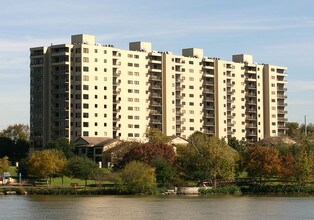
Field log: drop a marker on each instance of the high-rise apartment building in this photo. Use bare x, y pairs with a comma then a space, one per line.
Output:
88, 89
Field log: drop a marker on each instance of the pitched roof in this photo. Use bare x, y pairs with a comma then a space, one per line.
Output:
94, 141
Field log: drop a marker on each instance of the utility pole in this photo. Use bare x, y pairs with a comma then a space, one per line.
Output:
305, 129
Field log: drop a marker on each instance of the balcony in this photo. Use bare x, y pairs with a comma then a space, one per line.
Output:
282, 104
208, 91
208, 99
154, 112
281, 89
281, 119
208, 83
155, 78
281, 96
154, 121
251, 125
209, 124
250, 118
250, 94
155, 95
158, 104
209, 107
209, 115
155, 87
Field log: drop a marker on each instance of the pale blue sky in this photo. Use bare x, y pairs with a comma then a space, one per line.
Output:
274, 31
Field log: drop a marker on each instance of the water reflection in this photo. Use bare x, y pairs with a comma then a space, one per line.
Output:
154, 207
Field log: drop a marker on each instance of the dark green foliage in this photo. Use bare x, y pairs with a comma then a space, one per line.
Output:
15, 150
82, 168
221, 190
278, 189
165, 173
62, 144
72, 191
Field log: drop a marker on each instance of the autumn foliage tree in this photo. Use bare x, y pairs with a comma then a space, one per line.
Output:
262, 162
4, 165
149, 152
46, 163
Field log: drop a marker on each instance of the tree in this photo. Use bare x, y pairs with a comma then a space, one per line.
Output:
46, 163
298, 163
138, 177
4, 165
82, 168
16, 132
304, 167
155, 136
149, 152
16, 151
165, 173
62, 144
262, 161
207, 158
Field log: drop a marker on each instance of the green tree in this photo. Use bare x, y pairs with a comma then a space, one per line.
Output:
16, 132
82, 168
4, 165
303, 167
155, 136
165, 173
62, 144
46, 163
207, 158
137, 177
262, 161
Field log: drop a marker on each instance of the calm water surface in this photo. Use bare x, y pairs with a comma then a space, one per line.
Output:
155, 207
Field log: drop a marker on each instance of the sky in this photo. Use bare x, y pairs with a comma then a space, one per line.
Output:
273, 31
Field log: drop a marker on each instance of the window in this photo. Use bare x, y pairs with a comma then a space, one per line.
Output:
85, 59
136, 82
85, 96
130, 108
136, 117
130, 64
130, 90
190, 62
85, 105
130, 82
85, 68
130, 135
85, 78
136, 91
85, 50
85, 124
191, 87
85, 115
136, 126
136, 56
85, 133
130, 116
136, 65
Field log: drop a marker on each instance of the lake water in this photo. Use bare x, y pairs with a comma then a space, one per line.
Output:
155, 207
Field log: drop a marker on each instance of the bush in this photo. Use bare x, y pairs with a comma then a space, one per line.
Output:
277, 189
137, 177
221, 190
